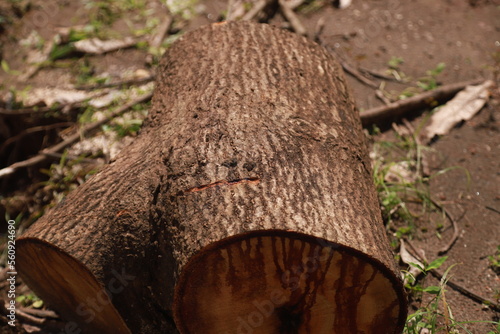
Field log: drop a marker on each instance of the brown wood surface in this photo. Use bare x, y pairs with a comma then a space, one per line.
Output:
246, 205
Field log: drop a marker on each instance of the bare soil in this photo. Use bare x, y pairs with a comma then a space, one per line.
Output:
464, 35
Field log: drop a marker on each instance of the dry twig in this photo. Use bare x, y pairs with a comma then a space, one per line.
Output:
33, 130
156, 40
381, 115
20, 314
123, 83
382, 97
378, 74
230, 5
356, 74
163, 29
318, 30
44, 154
255, 10
39, 313
38, 110
454, 224
291, 17
29, 318
55, 99
457, 287
492, 209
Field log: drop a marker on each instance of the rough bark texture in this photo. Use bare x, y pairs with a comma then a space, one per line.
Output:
252, 164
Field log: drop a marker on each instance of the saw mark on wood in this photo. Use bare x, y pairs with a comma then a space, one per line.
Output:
252, 180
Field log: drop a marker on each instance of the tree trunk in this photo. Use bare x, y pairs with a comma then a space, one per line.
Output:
246, 205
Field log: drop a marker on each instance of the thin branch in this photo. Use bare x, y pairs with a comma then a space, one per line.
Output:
492, 209
235, 10
378, 74
457, 287
383, 114
318, 30
353, 71
123, 83
357, 74
39, 313
44, 154
230, 6
33, 130
256, 9
63, 106
292, 4
20, 314
346, 66
380, 95
291, 17
34, 67
162, 31
59, 156
454, 223
29, 318
37, 110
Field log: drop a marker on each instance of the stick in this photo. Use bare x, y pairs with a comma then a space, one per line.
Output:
64, 107
58, 156
466, 292
230, 5
291, 17
292, 4
21, 315
44, 154
38, 110
39, 313
378, 74
355, 73
318, 30
33, 130
454, 223
29, 318
255, 10
381, 115
492, 209
127, 83
347, 68
235, 10
156, 40
381, 96
33, 68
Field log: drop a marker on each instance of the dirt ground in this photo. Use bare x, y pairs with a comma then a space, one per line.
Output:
464, 35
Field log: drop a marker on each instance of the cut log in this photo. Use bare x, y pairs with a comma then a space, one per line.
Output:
246, 205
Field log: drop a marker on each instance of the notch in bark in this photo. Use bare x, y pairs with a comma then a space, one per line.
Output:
246, 205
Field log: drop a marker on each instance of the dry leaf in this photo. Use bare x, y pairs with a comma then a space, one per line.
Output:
407, 258
461, 108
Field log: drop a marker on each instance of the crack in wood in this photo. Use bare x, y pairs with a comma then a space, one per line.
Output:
253, 180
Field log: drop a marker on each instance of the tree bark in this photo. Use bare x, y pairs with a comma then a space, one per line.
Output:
246, 205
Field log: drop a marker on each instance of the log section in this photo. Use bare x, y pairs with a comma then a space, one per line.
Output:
246, 205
